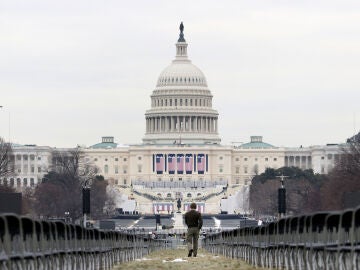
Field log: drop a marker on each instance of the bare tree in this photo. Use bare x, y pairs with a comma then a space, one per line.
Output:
61, 189
342, 189
6, 159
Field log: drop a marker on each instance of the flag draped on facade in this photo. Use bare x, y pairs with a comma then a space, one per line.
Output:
200, 163
171, 163
180, 163
160, 163
188, 163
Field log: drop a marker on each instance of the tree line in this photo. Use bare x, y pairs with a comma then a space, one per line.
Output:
60, 190
307, 192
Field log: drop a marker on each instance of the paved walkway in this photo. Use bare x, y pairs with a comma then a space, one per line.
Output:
176, 259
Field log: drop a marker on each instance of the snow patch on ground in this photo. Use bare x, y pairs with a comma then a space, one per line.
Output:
176, 260
143, 259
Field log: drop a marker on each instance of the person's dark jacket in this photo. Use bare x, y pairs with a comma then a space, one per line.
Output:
193, 219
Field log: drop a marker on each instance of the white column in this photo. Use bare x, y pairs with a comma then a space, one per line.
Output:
195, 124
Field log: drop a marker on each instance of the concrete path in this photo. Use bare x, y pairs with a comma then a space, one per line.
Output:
176, 259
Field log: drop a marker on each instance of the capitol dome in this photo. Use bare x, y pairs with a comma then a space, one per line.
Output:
181, 104
181, 72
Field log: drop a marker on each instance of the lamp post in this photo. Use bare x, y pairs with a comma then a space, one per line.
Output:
282, 197
86, 200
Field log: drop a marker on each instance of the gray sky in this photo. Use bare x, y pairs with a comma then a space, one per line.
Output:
73, 71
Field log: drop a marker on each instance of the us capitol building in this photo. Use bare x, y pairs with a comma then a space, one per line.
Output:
181, 156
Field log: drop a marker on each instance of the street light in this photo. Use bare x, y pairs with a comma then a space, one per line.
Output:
86, 199
282, 197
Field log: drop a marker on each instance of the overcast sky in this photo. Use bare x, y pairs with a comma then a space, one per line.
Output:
73, 71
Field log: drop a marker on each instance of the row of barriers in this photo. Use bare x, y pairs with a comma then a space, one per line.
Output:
35, 244
324, 240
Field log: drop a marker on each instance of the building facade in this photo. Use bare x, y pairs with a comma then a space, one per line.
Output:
181, 156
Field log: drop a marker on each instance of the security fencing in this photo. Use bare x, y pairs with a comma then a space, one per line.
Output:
324, 240
36, 244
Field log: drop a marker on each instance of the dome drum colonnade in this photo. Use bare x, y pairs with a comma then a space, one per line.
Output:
181, 104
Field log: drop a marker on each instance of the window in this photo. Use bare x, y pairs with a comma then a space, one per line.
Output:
237, 159
32, 183
106, 159
188, 195
245, 169
95, 159
39, 158
32, 169
221, 158
237, 181
18, 157
32, 157
19, 170
12, 182
237, 169
106, 169
25, 182
256, 159
139, 158
139, 168
329, 156
116, 169
39, 169
246, 159
168, 195
275, 159
220, 169
266, 159
116, 159
125, 170
322, 158
190, 102
25, 157
186, 102
18, 182
125, 181
116, 182
125, 159
170, 102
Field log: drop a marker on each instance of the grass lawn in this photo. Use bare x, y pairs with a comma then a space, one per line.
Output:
177, 259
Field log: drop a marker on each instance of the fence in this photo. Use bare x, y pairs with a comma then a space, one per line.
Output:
33, 244
327, 240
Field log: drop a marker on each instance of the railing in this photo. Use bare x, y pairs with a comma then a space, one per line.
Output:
327, 240
35, 244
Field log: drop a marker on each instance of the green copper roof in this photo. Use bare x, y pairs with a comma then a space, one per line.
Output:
104, 145
256, 145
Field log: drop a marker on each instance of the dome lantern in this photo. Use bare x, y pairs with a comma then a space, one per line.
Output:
181, 45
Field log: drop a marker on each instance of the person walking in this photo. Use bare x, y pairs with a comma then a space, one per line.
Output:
194, 222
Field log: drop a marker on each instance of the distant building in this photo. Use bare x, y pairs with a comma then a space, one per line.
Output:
181, 155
